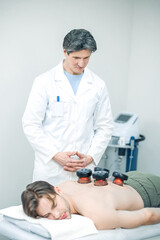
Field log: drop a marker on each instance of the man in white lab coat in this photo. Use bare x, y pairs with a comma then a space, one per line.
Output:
68, 119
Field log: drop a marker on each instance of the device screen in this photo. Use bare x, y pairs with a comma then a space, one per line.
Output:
122, 118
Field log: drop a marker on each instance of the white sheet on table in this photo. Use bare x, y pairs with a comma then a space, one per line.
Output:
144, 232
12, 231
28, 227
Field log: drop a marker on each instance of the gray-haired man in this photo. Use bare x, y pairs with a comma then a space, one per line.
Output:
68, 118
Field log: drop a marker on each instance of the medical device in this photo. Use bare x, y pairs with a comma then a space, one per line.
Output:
100, 175
84, 175
126, 126
119, 178
122, 152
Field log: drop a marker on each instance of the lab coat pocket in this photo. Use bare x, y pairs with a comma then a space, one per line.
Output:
58, 109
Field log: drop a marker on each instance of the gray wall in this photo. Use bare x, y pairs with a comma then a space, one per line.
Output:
128, 57
144, 80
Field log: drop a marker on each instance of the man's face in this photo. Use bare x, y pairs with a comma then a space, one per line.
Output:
58, 209
76, 62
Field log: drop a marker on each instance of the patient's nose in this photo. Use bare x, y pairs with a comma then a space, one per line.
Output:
51, 217
56, 214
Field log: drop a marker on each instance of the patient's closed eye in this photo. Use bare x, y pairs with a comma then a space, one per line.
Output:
54, 204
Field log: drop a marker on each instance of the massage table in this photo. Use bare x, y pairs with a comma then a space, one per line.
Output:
15, 225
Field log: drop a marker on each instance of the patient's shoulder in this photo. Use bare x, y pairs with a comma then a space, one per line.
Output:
67, 184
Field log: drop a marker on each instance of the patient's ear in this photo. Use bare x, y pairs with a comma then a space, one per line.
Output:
57, 190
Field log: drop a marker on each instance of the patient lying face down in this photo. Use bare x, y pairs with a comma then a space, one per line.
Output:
135, 203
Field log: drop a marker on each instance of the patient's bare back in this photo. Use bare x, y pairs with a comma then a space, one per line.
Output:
112, 196
100, 202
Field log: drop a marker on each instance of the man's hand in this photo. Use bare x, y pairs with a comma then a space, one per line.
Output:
76, 164
63, 157
67, 161
71, 163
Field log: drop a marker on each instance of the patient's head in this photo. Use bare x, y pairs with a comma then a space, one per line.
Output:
33, 193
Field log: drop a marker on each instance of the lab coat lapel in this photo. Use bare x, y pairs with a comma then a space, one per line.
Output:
85, 84
62, 81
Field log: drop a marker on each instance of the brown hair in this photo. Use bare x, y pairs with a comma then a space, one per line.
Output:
34, 191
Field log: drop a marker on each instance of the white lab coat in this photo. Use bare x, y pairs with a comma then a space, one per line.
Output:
80, 123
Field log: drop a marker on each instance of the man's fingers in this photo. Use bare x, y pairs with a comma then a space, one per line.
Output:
80, 155
71, 160
69, 169
71, 153
75, 164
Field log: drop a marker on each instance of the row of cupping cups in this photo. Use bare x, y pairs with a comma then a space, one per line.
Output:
100, 176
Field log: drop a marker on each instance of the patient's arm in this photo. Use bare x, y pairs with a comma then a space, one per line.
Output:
145, 216
127, 219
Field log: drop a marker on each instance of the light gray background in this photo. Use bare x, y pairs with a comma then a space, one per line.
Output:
128, 59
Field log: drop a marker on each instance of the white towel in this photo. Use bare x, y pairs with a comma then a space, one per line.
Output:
67, 229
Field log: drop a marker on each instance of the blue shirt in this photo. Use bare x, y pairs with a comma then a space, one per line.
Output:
74, 80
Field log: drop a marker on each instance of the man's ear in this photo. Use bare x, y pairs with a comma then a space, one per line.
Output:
57, 190
65, 52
